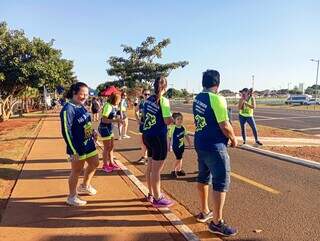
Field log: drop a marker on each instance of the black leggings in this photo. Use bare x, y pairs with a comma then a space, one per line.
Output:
156, 146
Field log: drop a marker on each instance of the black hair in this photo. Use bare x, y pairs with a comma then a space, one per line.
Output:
210, 78
74, 89
175, 115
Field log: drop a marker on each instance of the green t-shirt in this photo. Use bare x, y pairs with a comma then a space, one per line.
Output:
246, 111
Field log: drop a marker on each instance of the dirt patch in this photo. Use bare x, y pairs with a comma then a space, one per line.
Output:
305, 152
14, 136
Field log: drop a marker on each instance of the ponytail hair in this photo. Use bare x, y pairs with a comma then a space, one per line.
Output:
74, 89
159, 84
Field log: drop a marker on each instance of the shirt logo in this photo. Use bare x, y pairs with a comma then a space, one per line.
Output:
150, 121
200, 122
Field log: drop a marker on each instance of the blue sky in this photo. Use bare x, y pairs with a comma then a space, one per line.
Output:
273, 40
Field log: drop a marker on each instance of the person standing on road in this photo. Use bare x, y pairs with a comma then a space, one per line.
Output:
176, 134
80, 138
213, 130
108, 117
246, 106
95, 108
123, 127
157, 116
140, 119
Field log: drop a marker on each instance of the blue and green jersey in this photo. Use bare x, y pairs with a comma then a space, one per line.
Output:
209, 110
154, 115
177, 135
109, 112
77, 130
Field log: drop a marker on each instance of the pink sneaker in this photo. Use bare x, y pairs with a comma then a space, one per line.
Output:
115, 167
107, 168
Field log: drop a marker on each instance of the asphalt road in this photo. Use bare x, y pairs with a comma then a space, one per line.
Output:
299, 120
282, 199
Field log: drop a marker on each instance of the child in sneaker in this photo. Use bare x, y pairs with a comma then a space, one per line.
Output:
177, 133
105, 129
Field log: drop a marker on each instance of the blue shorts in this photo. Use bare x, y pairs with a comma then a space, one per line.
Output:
214, 167
105, 132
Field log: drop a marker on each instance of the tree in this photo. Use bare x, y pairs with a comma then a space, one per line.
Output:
226, 92
25, 63
295, 91
311, 90
140, 65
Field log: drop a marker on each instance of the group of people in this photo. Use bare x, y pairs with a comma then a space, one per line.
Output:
162, 132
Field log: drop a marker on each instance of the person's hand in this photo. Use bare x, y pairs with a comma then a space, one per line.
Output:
234, 142
74, 157
170, 149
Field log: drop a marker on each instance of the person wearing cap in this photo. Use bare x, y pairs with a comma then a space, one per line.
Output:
213, 131
246, 106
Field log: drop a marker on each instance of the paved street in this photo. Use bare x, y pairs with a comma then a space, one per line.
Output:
280, 198
304, 121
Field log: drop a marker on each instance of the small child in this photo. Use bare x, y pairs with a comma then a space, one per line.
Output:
177, 133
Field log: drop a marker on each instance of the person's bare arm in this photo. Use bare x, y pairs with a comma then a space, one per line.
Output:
228, 131
241, 104
137, 112
108, 121
253, 106
188, 140
168, 120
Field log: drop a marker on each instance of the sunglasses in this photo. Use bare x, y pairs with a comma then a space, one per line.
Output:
146, 94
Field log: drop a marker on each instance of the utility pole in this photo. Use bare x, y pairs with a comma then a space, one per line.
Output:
253, 81
317, 75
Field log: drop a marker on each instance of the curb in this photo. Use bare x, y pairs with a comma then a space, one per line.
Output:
173, 219
300, 161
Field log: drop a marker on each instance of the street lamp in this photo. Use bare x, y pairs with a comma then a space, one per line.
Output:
317, 74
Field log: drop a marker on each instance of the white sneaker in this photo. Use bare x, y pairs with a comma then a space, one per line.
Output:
76, 201
126, 137
86, 190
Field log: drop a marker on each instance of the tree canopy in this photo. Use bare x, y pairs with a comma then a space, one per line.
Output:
30, 63
139, 66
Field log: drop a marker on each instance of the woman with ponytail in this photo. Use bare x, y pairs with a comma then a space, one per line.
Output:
80, 138
157, 116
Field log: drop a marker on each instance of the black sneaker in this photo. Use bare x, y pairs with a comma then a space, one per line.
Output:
244, 143
203, 217
259, 143
181, 173
222, 229
174, 174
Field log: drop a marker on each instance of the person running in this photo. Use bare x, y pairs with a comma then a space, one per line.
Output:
246, 106
213, 130
140, 119
176, 134
105, 129
95, 108
79, 135
157, 116
123, 127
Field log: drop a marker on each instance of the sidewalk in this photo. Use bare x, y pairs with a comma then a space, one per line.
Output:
37, 210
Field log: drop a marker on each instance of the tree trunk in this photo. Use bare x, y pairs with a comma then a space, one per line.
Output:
6, 108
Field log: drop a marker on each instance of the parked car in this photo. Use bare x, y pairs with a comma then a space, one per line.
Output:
313, 101
298, 100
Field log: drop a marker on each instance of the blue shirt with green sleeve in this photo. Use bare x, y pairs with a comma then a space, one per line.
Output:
209, 109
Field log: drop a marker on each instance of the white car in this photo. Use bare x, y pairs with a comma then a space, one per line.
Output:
313, 102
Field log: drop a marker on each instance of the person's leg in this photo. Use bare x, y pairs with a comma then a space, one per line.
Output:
219, 165
106, 152
203, 181
253, 126
148, 175
143, 151
76, 168
242, 121
156, 168
111, 156
125, 126
93, 163
203, 191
